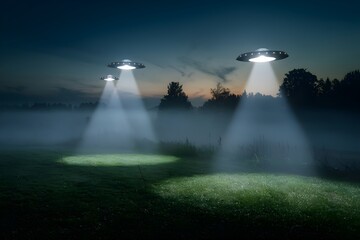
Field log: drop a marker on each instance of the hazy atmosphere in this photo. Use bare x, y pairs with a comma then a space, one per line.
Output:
179, 120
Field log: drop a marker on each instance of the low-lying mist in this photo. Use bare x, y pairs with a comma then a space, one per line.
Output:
331, 135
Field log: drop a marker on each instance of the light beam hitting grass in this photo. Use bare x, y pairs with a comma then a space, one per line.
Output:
292, 200
117, 159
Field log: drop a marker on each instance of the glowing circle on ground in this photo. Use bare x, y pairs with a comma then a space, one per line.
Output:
103, 160
262, 59
126, 64
262, 55
250, 193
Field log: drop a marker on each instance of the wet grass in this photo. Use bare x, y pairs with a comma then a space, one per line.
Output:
117, 159
269, 200
56, 195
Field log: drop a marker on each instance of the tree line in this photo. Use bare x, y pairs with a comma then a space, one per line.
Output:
41, 106
300, 87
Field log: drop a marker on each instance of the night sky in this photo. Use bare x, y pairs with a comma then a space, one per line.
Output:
57, 50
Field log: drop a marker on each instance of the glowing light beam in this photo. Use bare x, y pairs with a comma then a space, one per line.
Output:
264, 130
108, 127
138, 116
262, 80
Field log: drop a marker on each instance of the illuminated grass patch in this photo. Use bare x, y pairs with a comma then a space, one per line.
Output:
258, 197
110, 202
118, 159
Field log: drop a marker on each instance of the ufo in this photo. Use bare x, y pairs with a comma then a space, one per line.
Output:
109, 78
126, 64
262, 55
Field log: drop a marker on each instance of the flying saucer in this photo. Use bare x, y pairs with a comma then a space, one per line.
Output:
262, 55
126, 64
109, 78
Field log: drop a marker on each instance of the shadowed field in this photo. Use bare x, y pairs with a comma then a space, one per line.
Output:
57, 195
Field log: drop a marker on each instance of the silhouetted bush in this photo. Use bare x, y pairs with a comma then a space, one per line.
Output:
222, 99
175, 99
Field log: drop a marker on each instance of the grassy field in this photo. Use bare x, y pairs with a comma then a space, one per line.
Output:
58, 195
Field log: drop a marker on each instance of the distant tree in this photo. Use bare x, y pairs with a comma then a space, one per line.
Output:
321, 88
88, 105
60, 106
219, 92
324, 90
335, 96
327, 88
221, 98
175, 98
40, 106
336, 85
349, 89
300, 87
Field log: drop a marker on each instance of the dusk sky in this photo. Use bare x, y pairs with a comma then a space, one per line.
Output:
58, 50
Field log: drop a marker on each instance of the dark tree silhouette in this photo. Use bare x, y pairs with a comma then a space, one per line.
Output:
220, 92
327, 89
323, 87
175, 98
325, 92
88, 105
221, 98
349, 89
300, 87
340, 94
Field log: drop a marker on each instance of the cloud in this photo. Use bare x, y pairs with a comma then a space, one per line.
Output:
182, 72
155, 63
220, 72
223, 72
